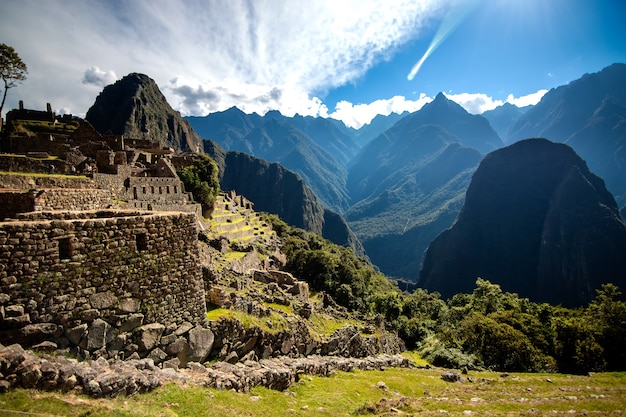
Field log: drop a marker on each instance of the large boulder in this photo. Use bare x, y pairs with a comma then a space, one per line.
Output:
200, 344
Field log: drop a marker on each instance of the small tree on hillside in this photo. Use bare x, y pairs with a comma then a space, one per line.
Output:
12, 70
201, 179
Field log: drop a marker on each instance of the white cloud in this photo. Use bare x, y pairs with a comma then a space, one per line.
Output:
251, 98
474, 103
527, 100
478, 103
95, 76
357, 115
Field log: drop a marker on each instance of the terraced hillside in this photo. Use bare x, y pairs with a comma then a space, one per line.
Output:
235, 219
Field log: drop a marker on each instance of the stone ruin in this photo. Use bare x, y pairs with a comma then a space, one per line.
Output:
80, 275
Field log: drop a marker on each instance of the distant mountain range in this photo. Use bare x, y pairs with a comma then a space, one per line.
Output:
406, 181
503, 117
317, 149
402, 180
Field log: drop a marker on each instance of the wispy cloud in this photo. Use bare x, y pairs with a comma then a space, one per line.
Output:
257, 52
98, 77
209, 56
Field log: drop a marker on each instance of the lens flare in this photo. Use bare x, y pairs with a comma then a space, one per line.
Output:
450, 22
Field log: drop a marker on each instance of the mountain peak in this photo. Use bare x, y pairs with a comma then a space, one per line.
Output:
471, 130
135, 107
536, 221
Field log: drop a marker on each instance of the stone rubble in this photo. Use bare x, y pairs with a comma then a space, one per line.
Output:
103, 378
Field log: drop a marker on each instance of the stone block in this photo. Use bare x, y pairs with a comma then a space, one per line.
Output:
96, 335
129, 305
200, 344
102, 300
76, 334
132, 322
149, 335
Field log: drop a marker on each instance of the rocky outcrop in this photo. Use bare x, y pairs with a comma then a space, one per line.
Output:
234, 342
537, 222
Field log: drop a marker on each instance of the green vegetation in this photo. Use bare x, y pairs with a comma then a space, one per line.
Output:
488, 329
410, 391
12, 70
201, 179
273, 323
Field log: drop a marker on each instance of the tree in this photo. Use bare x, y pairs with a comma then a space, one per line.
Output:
201, 179
12, 69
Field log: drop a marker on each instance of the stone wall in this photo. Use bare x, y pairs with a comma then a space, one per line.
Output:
67, 199
148, 193
106, 283
15, 201
72, 199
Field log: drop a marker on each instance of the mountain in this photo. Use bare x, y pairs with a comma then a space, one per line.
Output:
408, 141
330, 134
535, 221
276, 138
422, 198
377, 126
588, 114
503, 117
274, 189
135, 107
409, 183
471, 130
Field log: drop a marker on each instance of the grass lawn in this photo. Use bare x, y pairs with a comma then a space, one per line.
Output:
389, 392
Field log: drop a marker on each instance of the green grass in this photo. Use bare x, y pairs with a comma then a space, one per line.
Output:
325, 325
411, 391
274, 323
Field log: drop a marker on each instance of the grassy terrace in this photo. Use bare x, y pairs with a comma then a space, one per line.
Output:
390, 392
239, 225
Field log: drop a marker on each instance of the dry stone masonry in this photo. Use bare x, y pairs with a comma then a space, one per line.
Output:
107, 283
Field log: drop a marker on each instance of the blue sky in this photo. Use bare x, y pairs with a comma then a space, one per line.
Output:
347, 59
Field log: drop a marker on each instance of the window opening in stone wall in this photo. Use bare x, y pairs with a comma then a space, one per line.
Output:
175, 190
144, 190
160, 190
167, 189
65, 248
152, 189
142, 241
135, 193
